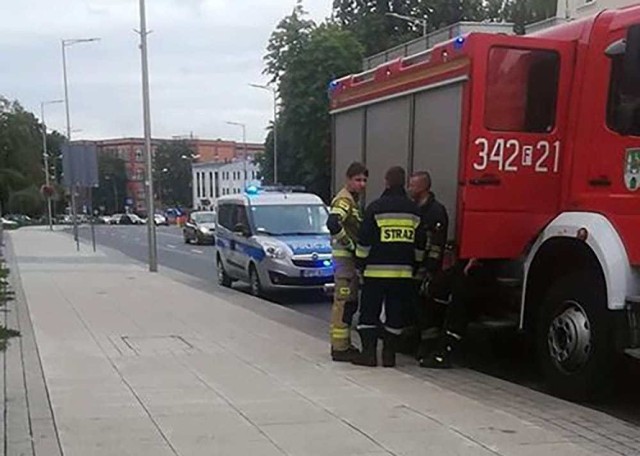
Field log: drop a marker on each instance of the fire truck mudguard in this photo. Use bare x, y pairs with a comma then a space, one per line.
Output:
598, 235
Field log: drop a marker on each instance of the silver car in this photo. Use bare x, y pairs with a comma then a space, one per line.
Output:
274, 241
200, 227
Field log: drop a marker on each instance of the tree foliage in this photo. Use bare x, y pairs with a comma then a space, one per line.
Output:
172, 173
302, 59
112, 184
377, 31
21, 158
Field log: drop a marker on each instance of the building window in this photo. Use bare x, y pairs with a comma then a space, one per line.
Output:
139, 155
198, 185
210, 184
522, 90
139, 174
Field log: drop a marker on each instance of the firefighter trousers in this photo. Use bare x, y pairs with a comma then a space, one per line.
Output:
345, 302
395, 294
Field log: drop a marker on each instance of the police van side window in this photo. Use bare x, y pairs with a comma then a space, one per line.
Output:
225, 216
521, 90
623, 110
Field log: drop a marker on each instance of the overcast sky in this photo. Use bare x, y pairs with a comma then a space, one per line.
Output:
202, 55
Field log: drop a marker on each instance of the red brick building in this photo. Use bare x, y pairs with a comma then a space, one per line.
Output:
131, 150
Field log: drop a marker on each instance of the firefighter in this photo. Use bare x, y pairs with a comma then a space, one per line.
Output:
429, 311
345, 217
391, 243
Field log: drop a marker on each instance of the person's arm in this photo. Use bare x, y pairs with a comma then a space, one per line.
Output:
335, 223
366, 237
438, 241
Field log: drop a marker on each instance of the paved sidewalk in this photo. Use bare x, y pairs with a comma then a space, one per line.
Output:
142, 364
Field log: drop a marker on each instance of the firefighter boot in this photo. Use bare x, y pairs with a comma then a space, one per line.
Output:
368, 356
344, 356
441, 358
389, 348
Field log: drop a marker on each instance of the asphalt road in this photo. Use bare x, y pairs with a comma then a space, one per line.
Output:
501, 354
194, 260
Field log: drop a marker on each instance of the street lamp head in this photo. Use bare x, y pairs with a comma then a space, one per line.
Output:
238, 124
72, 41
44, 103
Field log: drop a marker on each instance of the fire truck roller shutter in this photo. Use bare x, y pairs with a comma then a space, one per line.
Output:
436, 142
387, 141
348, 144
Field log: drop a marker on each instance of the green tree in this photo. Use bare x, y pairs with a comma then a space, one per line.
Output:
21, 164
303, 72
172, 173
112, 184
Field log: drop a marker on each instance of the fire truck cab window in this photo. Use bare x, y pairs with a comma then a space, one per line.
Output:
521, 90
623, 110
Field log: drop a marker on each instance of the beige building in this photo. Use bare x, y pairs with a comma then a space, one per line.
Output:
574, 9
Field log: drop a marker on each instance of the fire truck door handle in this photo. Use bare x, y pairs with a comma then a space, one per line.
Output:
485, 181
601, 181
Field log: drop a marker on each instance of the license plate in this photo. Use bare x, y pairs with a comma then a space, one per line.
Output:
320, 272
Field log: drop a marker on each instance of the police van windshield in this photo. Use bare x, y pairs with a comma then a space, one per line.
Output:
290, 220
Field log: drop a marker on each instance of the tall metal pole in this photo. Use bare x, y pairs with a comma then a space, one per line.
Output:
275, 137
274, 91
151, 227
70, 170
45, 155
244, 165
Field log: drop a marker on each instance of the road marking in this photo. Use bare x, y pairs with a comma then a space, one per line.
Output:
171, 246
197, 251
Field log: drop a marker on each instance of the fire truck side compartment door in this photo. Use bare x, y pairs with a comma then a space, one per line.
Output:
513, 159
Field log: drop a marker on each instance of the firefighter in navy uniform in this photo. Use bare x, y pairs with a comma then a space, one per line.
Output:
391, 244
430, 310
343, 223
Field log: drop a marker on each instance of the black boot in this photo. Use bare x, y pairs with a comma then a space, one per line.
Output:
441, 358
389, 348
368, 356
344, 356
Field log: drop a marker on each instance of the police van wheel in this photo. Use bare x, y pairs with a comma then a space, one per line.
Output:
223, 278
254, 282
574, 338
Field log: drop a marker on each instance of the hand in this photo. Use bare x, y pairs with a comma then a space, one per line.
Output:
473, 263
424, 286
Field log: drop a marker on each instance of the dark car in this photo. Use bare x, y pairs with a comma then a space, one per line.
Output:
200, 227
126, 219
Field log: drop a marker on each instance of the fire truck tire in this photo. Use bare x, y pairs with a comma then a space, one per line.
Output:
574, 338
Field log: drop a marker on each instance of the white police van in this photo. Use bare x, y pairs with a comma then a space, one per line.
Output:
274, 239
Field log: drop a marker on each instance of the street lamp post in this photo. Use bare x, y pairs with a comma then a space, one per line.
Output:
146, 110
45, 154
65, 44
244, 147
415, 20
275, 127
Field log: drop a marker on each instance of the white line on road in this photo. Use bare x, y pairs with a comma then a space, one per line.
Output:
171, 246
197, 251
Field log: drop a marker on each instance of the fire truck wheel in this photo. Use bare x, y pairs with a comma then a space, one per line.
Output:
574, 338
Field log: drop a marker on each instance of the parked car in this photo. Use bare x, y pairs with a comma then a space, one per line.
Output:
160, 219
20, 219
200, 227
126, 219
9, 224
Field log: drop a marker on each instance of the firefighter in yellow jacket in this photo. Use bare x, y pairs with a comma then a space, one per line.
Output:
344, 221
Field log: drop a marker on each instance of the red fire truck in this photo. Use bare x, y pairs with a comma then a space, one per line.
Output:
533, 143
